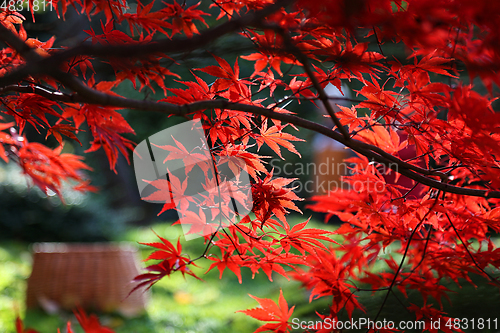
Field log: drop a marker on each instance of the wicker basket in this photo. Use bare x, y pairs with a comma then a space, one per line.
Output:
94, 276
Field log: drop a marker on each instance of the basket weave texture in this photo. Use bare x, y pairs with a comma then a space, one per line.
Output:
94, 276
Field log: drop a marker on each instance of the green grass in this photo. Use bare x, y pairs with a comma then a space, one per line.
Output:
15, 267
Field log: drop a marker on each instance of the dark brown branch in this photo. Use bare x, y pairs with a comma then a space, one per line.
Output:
27, 89
48, 64
321, 92
22, 48
307, 67
87, 95
84, 94
17, 44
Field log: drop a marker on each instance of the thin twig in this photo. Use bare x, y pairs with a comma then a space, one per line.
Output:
307, 68
470, 254
393, 282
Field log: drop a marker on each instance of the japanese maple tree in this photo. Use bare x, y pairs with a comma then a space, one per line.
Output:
440, 227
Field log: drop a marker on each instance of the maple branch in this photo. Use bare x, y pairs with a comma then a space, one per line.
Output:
406, 194
84, 94
28, 53
49, 64
307, 68
91, 96
17, 44
423, 255
380, 46
209, 243
41, 91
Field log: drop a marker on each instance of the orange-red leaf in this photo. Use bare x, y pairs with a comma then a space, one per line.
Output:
270, 311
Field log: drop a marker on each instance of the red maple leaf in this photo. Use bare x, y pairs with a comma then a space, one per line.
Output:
271, 196
20, 327
270, 311
171, 260
268, 42
275, 137
304, 239
90, 324
356, 60
182, 18
146, 19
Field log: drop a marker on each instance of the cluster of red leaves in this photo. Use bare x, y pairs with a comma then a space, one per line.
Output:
171, 260
47, 168
418, 104
89, 324
261, 243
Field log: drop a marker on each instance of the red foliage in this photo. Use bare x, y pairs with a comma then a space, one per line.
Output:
413, 116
